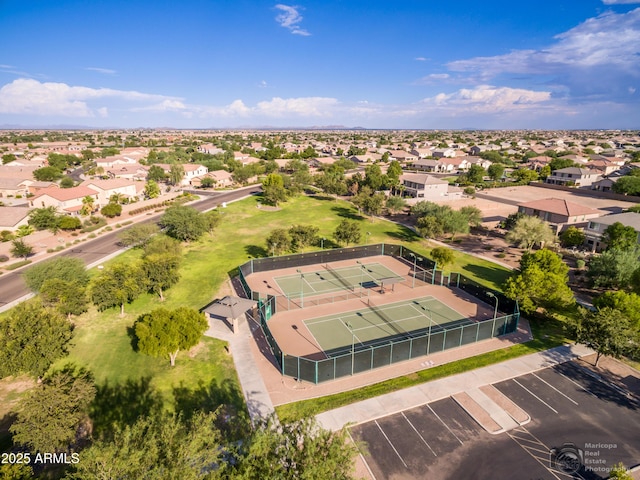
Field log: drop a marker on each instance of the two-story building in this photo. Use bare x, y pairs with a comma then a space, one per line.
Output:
596, 228
559, 213
423, 186
573, 177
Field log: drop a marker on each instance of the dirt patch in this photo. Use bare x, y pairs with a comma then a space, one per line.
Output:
11, 391
196, 350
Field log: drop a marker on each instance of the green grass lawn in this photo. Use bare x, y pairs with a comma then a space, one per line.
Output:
102, 342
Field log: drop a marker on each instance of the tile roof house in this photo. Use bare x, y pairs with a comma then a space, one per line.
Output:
559, 213
11, 218
573, 176
596, 228
132, 171
114, 186
431, 165
221, 179
64, 199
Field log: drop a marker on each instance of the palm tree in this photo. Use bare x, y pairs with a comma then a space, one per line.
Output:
88, 205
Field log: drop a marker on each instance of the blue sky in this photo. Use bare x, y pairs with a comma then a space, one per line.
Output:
544, 64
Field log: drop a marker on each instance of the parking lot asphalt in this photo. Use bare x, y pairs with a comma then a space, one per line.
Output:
581, 425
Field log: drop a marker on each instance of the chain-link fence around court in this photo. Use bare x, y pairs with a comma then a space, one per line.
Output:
390, 350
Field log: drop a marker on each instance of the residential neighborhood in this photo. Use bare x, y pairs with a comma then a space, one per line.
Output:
486, 204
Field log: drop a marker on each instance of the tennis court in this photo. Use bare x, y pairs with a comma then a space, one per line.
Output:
364, 328
329, 280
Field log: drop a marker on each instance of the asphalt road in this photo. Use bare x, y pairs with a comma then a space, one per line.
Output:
12, 286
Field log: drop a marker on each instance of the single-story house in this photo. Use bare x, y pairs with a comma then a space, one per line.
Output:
64, 199
11, 218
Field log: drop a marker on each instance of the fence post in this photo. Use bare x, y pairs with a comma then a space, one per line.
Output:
458, 281
316, 364
252, 266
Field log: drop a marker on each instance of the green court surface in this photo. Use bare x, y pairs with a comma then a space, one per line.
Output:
362, 328
334, 280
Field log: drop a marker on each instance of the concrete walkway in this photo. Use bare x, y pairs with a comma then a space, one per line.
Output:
253, 387
408, 398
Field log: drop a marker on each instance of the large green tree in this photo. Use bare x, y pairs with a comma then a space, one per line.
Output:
273, 191
443, 256
347, 232
297, 450
161, 271
156, 448
540, 282
176, 174
61, 268
572, 237
20, 248
138, 235
45, 218
163, 333
606, 330
303, 236
32, 337
183, 223
279, 241
68, 297
50, 416
530, 231
627, 303
619, 236
117, 285
615, 268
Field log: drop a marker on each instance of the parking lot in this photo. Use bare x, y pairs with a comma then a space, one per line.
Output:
591, 423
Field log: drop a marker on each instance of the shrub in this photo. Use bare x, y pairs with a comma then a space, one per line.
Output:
580, 264
6, 236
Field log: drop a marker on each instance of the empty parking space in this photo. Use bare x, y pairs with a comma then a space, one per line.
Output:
570, 407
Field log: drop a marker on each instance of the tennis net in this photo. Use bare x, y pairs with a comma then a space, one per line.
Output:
339, 278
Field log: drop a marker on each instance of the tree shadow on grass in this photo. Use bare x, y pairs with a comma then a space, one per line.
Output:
345, 212
122, 404
496, 275
403, 234
224, 397
255, 251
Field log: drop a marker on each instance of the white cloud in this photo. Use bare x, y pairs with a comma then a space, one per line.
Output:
103, 112
490, 99
421, 59
106, 71
609, 39
620, 2
290, 18
28, 96
304, 106
263, 84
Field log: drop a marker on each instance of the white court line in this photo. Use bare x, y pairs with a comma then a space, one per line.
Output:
394, 448
310, 286
447, 426
421, 437
565, 396
537, 397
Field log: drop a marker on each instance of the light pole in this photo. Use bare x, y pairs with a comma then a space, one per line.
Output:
495, 311
415, 263
361, 275
368, 235
322, 243
273, 249
353, 344
301, 288
430, 322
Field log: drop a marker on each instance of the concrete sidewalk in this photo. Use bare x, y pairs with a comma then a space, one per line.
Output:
255, 392
412, 397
